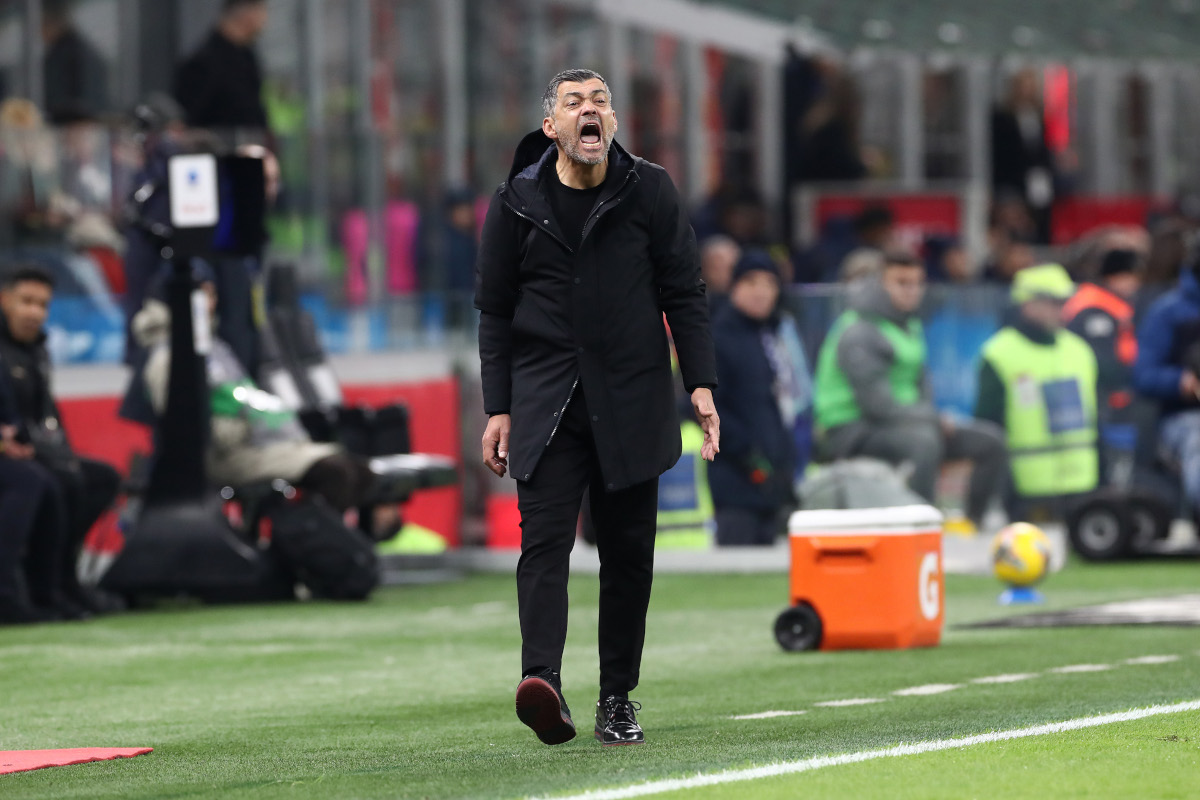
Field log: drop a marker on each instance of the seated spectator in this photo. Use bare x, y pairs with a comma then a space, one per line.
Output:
1168, 370
947, 261
1164, 262
254, 436
873, 396
83, 488
762, 393
865, 262
1102, 313
719, 255
32, 210
1009, 255
1038, 381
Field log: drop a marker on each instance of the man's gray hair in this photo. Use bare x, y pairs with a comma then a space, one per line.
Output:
550, 96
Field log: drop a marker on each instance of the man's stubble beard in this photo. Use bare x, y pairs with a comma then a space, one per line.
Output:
570, 145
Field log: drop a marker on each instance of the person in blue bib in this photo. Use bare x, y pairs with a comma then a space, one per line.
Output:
1038, 380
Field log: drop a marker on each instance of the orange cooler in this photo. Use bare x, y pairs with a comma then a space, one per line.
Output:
864, 579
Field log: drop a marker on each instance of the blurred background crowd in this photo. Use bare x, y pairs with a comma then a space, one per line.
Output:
982, 142
852, 154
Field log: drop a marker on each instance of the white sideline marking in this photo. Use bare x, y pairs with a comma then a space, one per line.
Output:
1133, 662
769, 714
929, 688
808, 764
853, 701
1073, 668
1010, 678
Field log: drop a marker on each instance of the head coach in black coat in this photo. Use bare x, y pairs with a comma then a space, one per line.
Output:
585, 247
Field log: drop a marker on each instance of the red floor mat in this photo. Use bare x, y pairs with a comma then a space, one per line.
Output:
25, 760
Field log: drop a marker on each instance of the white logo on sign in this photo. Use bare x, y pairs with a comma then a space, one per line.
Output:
927, 586
192, 184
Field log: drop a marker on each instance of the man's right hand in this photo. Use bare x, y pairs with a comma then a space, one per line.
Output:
10, 447
495, 443
1189, 385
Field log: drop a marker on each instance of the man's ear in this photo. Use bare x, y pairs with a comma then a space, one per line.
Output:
548, 129
614, 119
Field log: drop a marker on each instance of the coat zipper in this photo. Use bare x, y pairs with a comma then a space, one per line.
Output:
535, 224
591, 220
606, 206
562, 412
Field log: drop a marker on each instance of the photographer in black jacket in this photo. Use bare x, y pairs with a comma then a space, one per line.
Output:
84, 488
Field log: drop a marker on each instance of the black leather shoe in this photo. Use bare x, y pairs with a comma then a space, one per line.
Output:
616, 722
541, 706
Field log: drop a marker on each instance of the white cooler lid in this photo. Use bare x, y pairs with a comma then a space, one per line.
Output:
897, 520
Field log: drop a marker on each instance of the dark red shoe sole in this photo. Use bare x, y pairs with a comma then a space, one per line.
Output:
539, 708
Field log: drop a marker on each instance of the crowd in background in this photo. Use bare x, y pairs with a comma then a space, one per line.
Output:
79, 209
67, 174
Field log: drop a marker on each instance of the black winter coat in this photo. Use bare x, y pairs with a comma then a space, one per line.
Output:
28, 367
554, 321
753, 435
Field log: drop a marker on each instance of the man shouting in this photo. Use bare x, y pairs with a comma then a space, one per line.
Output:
585, 247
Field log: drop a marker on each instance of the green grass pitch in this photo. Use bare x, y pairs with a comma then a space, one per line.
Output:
410, 696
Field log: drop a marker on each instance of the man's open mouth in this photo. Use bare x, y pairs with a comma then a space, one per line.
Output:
590, 133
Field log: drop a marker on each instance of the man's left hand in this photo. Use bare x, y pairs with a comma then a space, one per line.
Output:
710, 423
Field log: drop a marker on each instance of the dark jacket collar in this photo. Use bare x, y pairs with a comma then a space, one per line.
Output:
1031, 330
537, 151
7, 337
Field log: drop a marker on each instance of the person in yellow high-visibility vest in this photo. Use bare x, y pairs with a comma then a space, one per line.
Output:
1038, 380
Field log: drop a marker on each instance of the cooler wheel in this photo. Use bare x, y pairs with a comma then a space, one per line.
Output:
798, 628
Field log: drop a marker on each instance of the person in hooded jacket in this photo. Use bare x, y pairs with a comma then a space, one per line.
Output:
873, 396
761, 396
584, 248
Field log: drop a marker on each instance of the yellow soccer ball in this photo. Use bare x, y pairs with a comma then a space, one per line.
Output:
1020, 554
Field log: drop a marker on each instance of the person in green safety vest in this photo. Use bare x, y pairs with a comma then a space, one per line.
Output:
1038, 380
873, 396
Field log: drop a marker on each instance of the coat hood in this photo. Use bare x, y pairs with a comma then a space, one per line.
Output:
537, 150
867, 296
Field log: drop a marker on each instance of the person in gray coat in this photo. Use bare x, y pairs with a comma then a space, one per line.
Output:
873, 396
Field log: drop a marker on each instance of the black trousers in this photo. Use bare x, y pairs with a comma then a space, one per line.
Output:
625, 523
79, 496
24, 488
